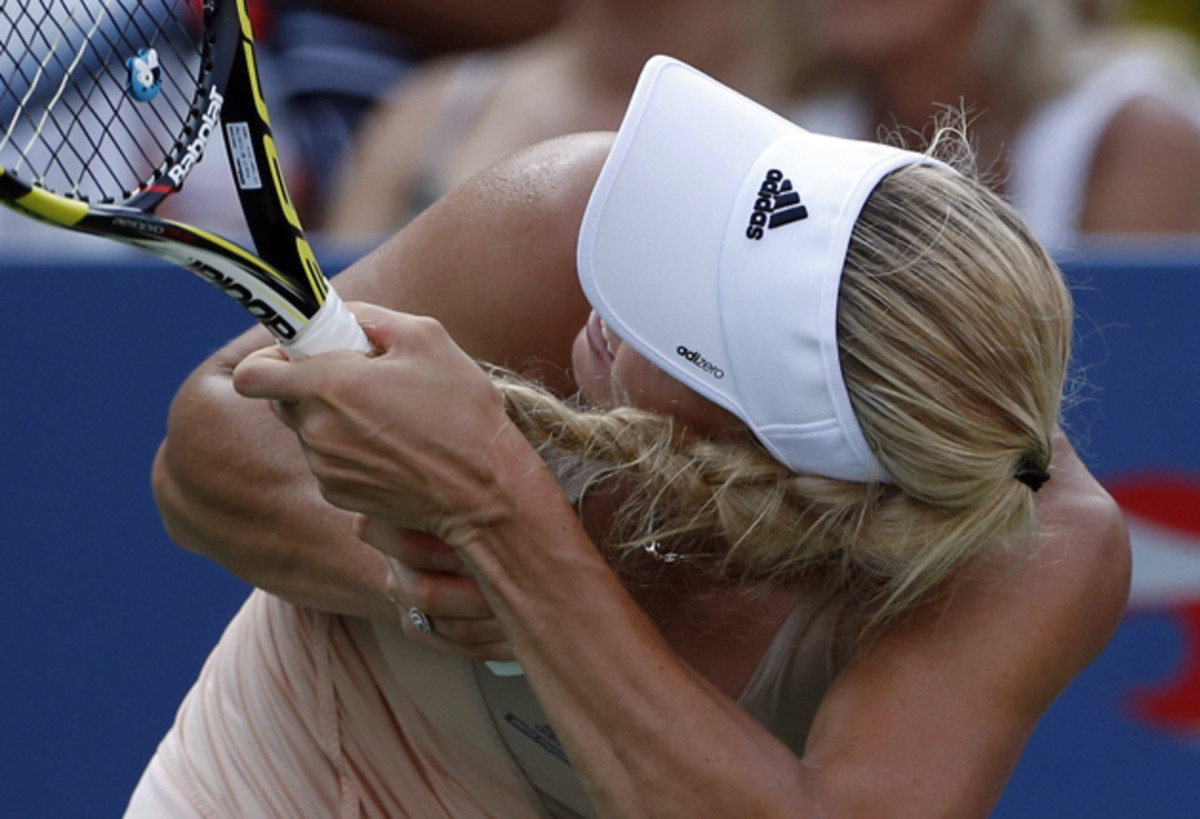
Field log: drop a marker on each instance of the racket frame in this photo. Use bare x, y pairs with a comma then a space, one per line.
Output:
301, 310
282, 286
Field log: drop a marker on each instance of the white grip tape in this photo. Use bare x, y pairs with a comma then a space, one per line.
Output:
334, 327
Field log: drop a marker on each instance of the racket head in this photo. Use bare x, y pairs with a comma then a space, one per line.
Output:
111, 102
106, 106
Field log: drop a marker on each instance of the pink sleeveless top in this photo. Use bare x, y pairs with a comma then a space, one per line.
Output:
299, 713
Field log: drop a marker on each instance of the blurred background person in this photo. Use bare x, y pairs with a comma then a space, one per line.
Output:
336, 60
462, 114
1086, 125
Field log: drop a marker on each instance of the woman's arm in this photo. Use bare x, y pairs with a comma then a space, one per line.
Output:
932, 719
229, 478
928, 721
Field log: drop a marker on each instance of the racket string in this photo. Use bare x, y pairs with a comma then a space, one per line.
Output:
65, 70
52, 53
69, 120
178, 97
23, 49
74, 126
114, 120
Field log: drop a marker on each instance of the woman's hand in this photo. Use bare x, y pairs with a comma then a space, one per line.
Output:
415, 436
427, 573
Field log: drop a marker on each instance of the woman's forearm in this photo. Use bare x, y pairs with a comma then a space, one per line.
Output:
648, 735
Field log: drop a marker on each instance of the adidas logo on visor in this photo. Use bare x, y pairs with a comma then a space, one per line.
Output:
777, 205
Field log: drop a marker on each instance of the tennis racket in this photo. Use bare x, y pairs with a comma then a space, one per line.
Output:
106, 106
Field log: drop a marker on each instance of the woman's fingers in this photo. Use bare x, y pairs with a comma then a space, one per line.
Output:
428, 605
383, 327
439, 604
268, 373
439, 594
417, 550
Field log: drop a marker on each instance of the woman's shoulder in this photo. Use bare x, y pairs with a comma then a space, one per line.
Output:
536, 196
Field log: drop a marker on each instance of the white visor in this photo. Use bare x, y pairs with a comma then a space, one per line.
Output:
714, 243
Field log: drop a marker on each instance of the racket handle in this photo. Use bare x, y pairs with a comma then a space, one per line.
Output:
334, 327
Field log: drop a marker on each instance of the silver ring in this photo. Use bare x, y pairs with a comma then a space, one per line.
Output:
420, 620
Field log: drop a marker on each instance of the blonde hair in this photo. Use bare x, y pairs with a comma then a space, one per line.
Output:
954, 328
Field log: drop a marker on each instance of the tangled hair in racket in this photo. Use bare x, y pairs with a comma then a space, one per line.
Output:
105, 108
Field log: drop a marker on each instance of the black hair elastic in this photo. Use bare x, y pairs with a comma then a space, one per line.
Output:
1031, 476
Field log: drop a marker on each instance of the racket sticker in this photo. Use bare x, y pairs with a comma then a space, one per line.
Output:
241, 150
144, 79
